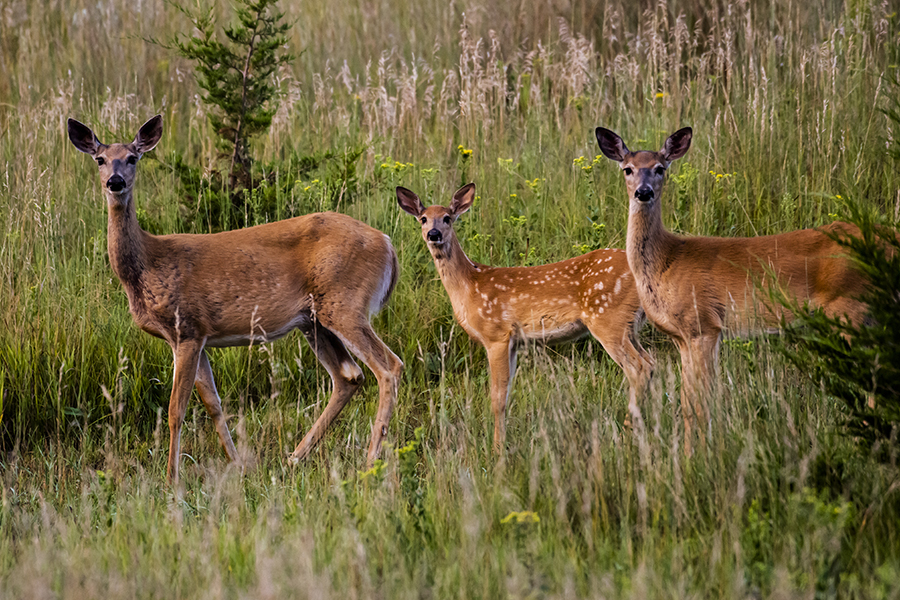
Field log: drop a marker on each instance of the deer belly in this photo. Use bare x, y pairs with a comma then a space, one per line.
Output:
258, 334
551, 333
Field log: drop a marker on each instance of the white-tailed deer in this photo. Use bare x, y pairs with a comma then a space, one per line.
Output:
696, 288
324, 274
503, 307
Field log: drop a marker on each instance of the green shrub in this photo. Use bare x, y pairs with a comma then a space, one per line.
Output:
859, 364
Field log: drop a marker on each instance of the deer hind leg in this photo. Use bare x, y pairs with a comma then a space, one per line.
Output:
856, 313
206, 386
187, 358
847, 308
626, 350
502, 364
346, 378
362, 340
624, 347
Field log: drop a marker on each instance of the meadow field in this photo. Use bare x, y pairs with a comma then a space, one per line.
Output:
785, 98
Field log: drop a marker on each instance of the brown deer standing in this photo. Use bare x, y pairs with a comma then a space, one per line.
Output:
696, 288
504, 307
324, 274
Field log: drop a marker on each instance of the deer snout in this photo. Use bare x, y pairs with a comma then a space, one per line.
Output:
115, 184
434, 236
644, 193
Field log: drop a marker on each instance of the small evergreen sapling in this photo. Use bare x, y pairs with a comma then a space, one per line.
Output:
237, 75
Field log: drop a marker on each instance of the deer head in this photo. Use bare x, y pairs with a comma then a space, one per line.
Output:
645, 171
117, 162
437, 221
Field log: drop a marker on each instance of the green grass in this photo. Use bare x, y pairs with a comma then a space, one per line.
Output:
783, 99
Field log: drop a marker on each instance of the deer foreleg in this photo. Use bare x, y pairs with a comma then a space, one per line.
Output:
699, 364
187, 358
206, 386
502, 364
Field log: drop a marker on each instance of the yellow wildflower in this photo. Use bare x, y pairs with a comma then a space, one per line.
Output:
375, 471
526, 516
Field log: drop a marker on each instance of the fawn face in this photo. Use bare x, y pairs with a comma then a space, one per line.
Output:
117, 162
644, 171
437, 221
437, 224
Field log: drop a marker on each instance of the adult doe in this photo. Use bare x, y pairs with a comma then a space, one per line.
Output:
504, 307
324, 274
697, 288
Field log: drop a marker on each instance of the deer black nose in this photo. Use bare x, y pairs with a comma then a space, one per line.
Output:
644, 193
116, 183
434, 236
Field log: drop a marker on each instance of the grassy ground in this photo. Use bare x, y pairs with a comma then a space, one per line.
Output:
784, 100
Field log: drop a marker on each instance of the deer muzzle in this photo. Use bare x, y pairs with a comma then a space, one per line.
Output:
115, 184
644, 193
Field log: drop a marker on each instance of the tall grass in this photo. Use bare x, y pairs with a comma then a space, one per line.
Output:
783, 99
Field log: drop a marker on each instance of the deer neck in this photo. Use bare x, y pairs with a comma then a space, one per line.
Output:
648, 243
454, 268
126, 243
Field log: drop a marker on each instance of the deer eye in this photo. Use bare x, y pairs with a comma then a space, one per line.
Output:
131, 159
424, 220
627, 170
446, 220
660, 170
100, 161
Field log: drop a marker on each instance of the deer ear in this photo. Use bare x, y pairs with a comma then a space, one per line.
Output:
677, 144
409, 202
611, 145
83, 138
462, 199
149, 134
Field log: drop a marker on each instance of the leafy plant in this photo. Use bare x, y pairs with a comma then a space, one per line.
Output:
300, 184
